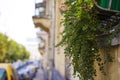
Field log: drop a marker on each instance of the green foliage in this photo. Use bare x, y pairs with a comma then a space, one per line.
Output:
82, 38
16, 51
11, 51
3, 46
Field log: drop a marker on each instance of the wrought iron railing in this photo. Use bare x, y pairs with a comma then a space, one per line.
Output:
40, 9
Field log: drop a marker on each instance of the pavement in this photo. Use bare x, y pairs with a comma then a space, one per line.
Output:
56, 75
40, 75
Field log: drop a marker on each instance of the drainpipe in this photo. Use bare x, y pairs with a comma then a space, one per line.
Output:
53, 32
52, 39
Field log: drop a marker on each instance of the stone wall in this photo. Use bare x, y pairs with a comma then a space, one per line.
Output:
112, 69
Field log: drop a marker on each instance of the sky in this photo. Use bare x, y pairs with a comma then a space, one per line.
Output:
16, 20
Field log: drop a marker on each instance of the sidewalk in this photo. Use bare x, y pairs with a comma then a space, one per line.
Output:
40, 75
56, 75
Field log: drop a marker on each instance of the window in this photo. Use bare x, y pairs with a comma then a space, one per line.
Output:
3, 74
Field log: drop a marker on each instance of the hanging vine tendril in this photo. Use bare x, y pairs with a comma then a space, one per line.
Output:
82, 35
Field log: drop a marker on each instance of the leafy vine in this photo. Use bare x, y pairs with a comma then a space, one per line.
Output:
82, 37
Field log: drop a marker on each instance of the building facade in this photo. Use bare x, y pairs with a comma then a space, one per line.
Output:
48, 19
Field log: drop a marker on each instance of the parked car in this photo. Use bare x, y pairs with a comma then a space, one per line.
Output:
26, 74
8, 72
23, 74
32, 67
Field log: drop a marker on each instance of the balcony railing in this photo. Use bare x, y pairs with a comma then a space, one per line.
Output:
40, 9
112, 5
109, 14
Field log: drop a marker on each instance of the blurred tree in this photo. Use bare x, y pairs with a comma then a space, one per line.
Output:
11, 51
3, 41
23, 53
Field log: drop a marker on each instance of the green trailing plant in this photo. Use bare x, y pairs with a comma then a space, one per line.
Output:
82, 37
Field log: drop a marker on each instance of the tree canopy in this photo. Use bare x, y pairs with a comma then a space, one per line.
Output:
11, 51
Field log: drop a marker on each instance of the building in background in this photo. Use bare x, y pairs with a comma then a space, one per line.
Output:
42, 20
48, 17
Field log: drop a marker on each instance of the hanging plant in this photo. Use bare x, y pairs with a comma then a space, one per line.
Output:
82, 36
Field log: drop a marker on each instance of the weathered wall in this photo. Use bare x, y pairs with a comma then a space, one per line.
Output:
113, 68
59, 51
